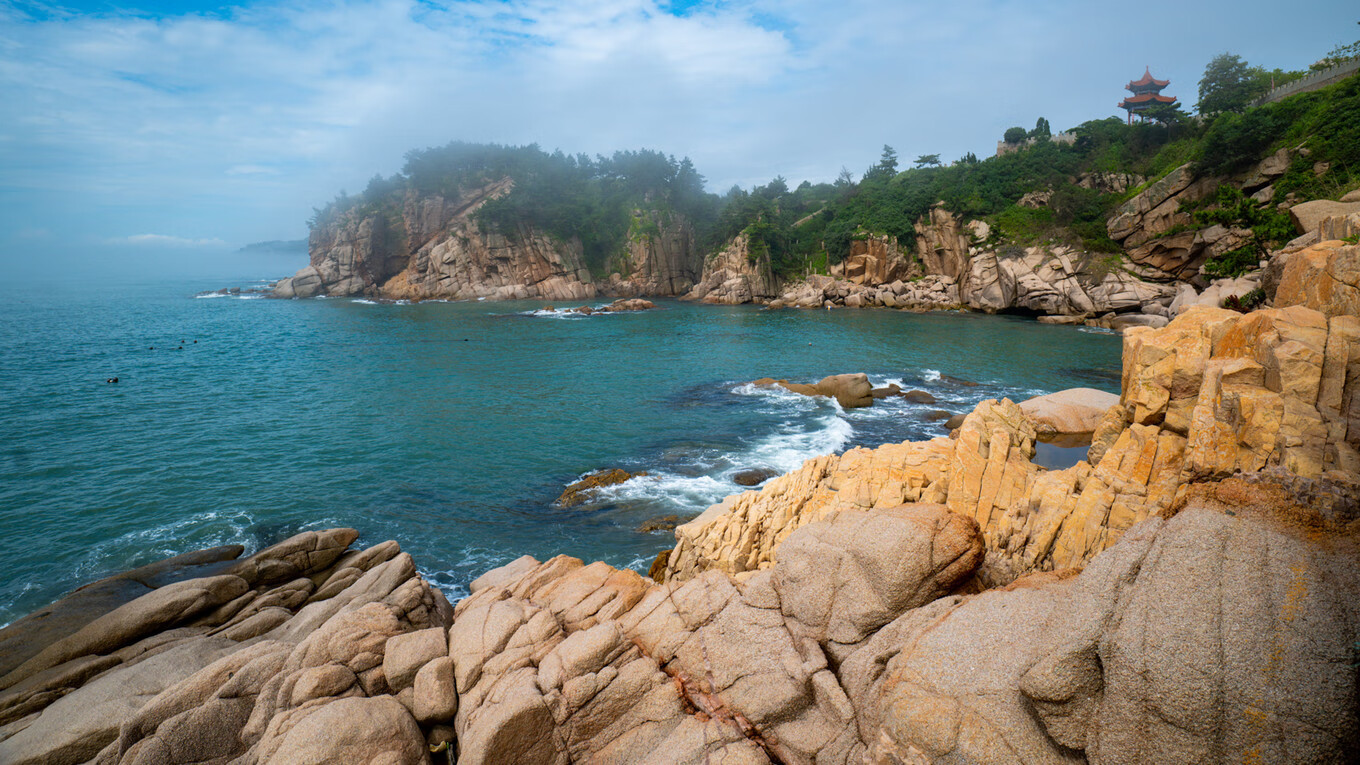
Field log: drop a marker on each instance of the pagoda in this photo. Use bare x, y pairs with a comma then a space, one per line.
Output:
1146, 92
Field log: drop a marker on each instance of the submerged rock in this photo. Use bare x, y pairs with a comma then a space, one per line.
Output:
849, 390
659, 523
581, 491
753, 477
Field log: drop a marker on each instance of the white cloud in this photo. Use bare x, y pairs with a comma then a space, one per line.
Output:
237, 123
161, 240
251, 170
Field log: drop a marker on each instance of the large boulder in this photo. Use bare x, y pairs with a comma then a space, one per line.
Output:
843, 577
353, 730
1324, 277
1068, 412
1308, 216
1180, 644
849, 390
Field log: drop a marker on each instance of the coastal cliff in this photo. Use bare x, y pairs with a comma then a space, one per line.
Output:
1189, 592
437, 249
736, 275
468, 221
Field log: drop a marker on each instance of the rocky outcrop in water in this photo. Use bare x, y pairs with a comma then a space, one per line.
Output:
661, 259
1216, 392
434, 247
735, 275
850, 390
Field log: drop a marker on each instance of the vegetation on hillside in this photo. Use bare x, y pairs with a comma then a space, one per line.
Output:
570, 197
602, 202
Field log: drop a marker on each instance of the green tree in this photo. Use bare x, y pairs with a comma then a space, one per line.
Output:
886, 167
928, 160
1228, 85
1041, 130
1014, 135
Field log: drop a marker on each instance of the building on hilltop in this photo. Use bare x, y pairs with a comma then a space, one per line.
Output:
1147, 92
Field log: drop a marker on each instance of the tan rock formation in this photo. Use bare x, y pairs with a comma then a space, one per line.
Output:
942, 245
661, 258
1212, 393
734, 275
436, 249
1308, 216
238, 665
1110, 183
1325, 277
1129, 661
844, 651
877, 260
1067, 412
849, 390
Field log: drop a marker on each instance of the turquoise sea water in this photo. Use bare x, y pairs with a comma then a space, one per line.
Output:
450, 427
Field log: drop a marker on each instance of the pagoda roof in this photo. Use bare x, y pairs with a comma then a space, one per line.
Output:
1147, 79
1145, 99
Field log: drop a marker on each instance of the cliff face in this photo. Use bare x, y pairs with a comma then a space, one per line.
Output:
732, 276
661, 259
435, 248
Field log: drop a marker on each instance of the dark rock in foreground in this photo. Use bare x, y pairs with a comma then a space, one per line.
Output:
753, 477
581, 491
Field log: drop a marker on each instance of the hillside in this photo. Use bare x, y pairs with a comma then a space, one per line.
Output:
1117, 207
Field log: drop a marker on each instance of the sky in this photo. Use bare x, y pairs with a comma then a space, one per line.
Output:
135, 128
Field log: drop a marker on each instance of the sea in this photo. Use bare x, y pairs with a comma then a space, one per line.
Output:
451, 427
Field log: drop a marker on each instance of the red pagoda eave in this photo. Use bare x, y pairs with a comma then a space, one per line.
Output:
1143, 99
1147, 79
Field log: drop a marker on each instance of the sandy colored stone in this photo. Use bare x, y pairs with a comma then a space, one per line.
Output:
850, 573
352, 730
1076, 410
1324, 277
405, 654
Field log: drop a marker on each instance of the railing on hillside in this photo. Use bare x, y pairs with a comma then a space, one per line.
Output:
1310, 82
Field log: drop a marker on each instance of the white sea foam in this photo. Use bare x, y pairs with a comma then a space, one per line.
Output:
930, 375
363, 301
200, 531
1096, 330
211, 295
782, 451
556, 313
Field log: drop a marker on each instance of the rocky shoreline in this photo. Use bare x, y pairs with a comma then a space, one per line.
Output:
1189, 592
436, 249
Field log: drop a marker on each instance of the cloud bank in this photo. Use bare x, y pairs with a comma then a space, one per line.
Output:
231, 125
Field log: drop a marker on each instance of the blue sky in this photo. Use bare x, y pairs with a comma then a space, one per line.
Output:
150, 124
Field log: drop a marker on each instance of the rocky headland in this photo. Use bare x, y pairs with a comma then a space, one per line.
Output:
437, 248
1188, 593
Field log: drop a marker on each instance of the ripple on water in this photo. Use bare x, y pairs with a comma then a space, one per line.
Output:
450, 427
